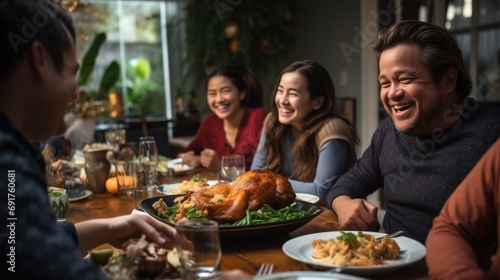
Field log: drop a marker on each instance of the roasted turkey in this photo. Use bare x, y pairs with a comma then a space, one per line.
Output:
251, 190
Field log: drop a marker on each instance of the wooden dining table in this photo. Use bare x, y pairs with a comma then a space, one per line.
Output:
246, 255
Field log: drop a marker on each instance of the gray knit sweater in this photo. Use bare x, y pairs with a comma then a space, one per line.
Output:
418, 174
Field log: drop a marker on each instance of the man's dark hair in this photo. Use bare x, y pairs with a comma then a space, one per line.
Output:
23, 22
440, 50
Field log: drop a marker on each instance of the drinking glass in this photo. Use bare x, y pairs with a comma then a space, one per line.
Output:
141, 193
199, 248
232, 166
60, 204
126, 177
148, 158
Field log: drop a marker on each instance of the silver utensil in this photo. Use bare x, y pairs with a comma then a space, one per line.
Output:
265, 269
394, 234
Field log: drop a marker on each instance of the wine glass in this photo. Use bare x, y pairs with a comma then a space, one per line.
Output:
232, 166
148, 157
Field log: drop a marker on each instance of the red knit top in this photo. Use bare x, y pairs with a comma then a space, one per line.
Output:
211, 135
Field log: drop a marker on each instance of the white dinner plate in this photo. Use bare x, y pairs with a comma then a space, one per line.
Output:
178, 167
87, 194
307, 197
300, 249
308, 275
166, 188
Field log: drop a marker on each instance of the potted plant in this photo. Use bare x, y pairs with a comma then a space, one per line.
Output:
91, 103
139, 85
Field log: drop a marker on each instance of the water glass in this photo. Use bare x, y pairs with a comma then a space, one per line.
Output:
148, 158
126, 177
141, 193
232, 166
199, 248
60, 205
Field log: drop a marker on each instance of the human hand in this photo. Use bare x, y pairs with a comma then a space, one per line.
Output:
190, 159
116, 231
210, 159
123, 228
356, 214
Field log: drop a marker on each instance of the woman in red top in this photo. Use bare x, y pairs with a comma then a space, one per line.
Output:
235, 96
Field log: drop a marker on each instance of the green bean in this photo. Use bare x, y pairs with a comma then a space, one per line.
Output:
248, 216
192, 213
266, 214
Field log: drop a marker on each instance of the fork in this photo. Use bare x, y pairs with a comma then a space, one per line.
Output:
394, 234
265, 269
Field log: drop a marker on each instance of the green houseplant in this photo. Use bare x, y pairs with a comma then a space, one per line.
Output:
91, 100
139, 85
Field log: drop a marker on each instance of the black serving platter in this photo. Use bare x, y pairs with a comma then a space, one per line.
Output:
243, 233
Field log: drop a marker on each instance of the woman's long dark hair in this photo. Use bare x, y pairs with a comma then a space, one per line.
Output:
244, 80
305, 152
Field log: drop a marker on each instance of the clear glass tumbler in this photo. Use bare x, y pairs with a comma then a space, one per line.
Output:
232, 166
148, 158
199, 248
126, 177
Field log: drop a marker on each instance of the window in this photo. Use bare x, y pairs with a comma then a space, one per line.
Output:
476, 23
136, 32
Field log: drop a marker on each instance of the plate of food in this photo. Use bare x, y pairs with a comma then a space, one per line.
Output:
259, 203
86, 194
186, 186
237, 233
138, 259
364, 256
178, 166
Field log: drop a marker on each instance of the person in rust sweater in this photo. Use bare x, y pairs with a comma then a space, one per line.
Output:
465, 236
235, 97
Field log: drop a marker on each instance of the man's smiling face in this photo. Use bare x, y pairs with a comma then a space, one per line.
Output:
408, 92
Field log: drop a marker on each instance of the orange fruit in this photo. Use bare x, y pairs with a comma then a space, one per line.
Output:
112, 185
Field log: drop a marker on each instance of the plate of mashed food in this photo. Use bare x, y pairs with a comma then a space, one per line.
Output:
357, 252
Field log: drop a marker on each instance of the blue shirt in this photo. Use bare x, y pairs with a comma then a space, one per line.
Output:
331, 163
